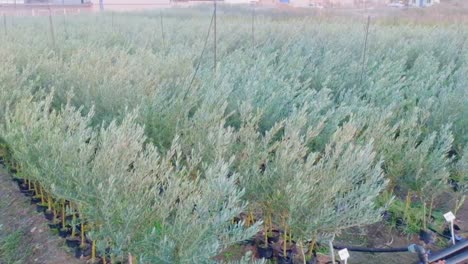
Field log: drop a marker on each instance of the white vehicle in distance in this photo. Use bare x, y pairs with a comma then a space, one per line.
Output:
397, 4
315, 5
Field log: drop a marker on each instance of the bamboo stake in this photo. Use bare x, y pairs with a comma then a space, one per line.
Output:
407, 205
41, 194
285, 241
49, 202
82, 244
424, 216
302, 253
63, 213
73, 234
35, 186
93, 251
459, 203
312, 246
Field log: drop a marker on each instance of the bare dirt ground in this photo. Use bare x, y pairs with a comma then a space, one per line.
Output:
25, 237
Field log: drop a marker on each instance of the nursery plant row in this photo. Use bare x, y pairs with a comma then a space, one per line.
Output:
136, 148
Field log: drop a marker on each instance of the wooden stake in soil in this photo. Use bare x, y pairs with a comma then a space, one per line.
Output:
93, 251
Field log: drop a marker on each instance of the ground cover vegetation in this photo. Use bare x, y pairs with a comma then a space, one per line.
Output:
138, 147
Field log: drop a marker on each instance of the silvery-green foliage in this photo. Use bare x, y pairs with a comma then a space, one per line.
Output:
283, 116
199, 227
462, 172
25, 124
316, 207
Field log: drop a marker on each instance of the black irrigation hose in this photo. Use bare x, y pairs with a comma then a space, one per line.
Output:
437, 233
372, 250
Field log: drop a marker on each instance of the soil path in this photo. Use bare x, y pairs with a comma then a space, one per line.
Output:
24, 234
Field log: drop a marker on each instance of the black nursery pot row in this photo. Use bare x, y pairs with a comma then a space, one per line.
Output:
273, 249
55, 221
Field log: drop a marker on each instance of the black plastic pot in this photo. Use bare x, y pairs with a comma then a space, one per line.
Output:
29, 193
23, 187
49, 215
265, 252
35, 200
70, 217
54, 225
274, 236
284, 260
64, 232
41, 208
400, 223
81, 252
72, 242
426, 236
19, 181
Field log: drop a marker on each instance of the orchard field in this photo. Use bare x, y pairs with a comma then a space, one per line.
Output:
144, 142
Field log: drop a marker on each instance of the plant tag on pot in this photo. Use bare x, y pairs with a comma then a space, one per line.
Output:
344, 254
449, 217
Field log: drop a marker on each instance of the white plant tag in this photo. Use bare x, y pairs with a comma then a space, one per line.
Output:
344, 254
449, 217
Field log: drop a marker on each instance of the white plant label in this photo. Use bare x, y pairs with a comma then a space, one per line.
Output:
449, 217
344, 254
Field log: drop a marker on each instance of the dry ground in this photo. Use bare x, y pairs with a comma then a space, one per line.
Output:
25, 237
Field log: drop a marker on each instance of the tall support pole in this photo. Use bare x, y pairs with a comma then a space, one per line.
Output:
253, 25
214, 37
5, 24
364, 51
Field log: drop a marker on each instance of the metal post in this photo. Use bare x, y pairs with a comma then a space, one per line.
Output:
364, 51
253, 25
51, 25
162, 30
452, 232
332, 252
5, 24
214, 36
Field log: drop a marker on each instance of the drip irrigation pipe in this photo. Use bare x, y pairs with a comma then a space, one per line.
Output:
413, 248
372, 250
458, 259
462, 245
